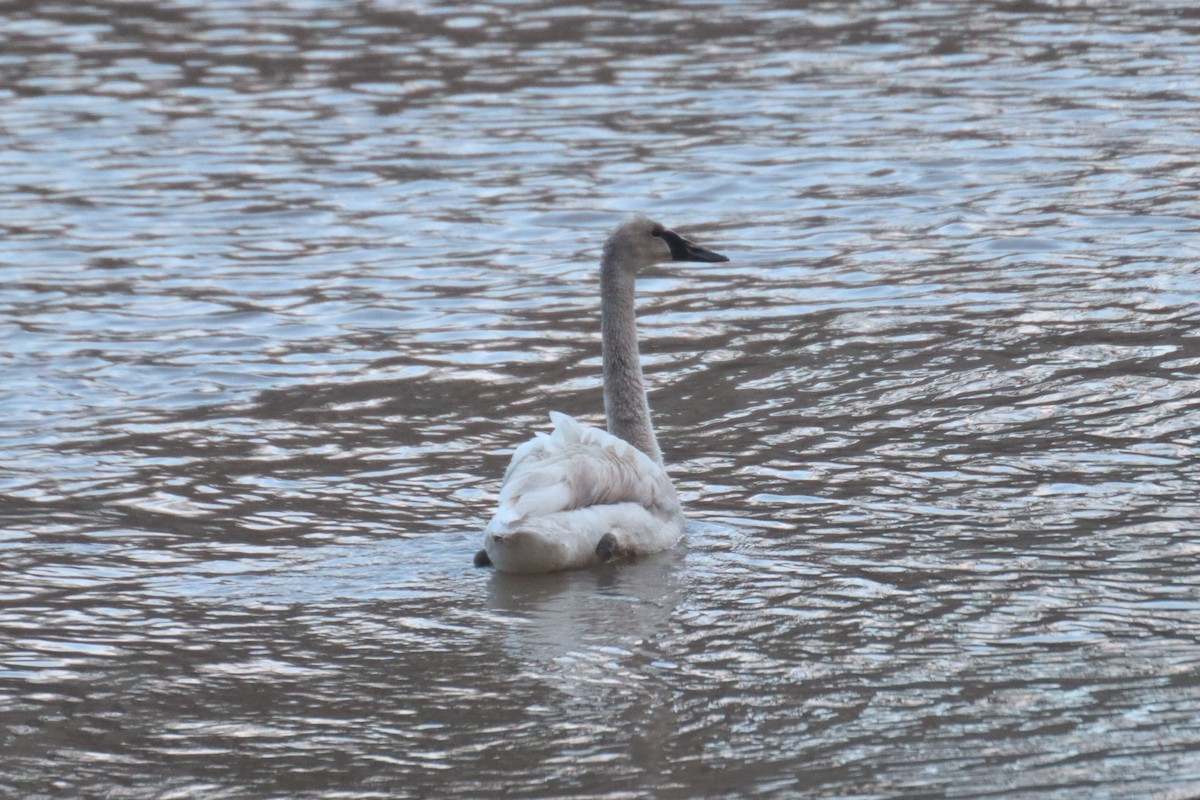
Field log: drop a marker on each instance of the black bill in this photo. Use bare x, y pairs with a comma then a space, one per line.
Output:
683, 250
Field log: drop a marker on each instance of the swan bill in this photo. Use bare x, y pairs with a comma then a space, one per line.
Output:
684, 250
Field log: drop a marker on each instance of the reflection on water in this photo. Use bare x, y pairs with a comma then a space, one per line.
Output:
286, 282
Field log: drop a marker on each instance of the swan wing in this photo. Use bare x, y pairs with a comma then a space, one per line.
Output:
578, 466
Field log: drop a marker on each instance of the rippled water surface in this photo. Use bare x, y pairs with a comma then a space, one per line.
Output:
285, 282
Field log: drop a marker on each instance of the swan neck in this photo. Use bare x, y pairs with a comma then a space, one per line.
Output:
625, 403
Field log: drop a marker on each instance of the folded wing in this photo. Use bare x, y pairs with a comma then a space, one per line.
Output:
578, 466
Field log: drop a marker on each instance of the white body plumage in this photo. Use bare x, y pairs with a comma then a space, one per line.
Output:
565, 491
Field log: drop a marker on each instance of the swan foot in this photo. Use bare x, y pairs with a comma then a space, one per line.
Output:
606, 548
482, 560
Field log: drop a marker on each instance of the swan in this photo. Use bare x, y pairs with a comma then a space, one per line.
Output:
580, 495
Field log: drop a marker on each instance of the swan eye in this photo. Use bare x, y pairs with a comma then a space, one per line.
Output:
657, 232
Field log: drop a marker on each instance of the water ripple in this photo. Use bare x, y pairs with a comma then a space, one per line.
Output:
286, 283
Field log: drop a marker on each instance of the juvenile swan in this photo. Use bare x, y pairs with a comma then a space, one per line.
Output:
580, 495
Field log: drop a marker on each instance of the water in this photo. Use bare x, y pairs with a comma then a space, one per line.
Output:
286, 282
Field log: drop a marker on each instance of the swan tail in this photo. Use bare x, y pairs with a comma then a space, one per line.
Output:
579, 538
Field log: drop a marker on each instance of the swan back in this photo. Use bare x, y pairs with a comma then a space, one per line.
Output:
564, 491
578, 466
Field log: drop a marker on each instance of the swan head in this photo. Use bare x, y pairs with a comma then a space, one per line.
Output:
639, 242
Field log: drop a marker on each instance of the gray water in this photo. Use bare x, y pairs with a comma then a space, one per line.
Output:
285, 282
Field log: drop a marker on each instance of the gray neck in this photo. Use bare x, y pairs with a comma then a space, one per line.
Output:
625, 402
